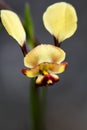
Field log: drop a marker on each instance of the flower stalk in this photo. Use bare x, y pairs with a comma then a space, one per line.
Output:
37, 106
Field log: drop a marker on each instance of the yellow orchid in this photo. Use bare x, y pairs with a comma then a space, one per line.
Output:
44, 62
60, 19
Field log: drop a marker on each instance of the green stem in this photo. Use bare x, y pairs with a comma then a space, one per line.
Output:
37, 103
42, 106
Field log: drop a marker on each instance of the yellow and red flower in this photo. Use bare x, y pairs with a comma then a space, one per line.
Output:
45, 61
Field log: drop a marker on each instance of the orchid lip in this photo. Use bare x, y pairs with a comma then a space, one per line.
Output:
48, 79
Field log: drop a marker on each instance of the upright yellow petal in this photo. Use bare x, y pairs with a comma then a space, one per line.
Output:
13, 26
44, 53
60, 19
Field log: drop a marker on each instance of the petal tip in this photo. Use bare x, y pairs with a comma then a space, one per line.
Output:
23, 71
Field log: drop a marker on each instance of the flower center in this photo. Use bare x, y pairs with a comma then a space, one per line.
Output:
46, 77
43, 69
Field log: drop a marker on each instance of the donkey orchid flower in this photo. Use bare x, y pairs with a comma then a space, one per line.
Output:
44, 62
60, 19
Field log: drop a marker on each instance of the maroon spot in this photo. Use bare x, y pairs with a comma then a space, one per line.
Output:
46, 78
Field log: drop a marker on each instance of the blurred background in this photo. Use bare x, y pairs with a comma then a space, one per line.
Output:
66, 100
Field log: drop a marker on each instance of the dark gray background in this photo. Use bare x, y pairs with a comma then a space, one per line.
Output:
66, 100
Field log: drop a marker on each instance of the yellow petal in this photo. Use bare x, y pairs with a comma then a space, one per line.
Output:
60, 19
39, 79
13, 26
53, 67
44, 69
31, 72
58, 68
44, 53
